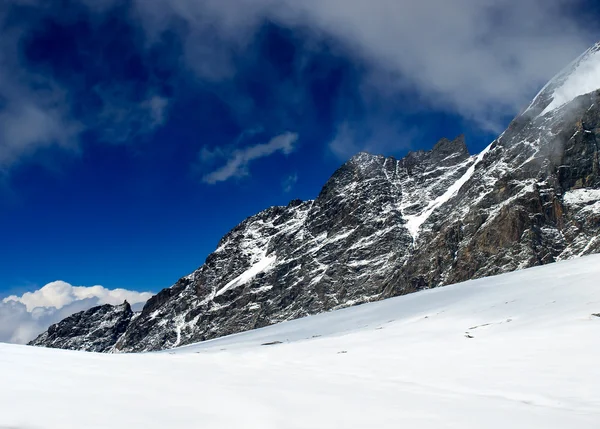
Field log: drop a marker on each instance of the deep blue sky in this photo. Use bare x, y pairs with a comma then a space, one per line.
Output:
122, 202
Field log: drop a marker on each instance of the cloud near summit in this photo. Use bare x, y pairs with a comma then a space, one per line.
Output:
482, 60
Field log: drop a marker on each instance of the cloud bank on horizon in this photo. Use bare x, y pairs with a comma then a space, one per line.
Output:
480, 60
24, 317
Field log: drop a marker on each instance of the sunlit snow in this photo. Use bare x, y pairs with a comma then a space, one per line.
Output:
516, 351
414, 222
249, 274
581, 196
579, 78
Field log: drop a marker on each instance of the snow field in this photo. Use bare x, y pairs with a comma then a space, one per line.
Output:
518, 350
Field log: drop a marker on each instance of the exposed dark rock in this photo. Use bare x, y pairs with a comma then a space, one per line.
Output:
382, 227
272, 343
94, 330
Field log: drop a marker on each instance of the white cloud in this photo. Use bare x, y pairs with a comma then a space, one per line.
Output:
24, 317
33, 109
36, 111
58, 294
289, 182
372, 136
120, 120
481, 59
466, 53
344, 144
157, 107
237, 164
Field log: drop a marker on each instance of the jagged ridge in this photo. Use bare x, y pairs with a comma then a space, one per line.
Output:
383, 227
94, 330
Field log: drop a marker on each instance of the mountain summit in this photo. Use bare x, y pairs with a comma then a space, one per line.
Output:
581, 77
382, 227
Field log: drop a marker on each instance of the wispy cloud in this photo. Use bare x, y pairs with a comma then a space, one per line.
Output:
121, 119
372, 136
24, 317
239, 160
38, 110
289, 182
481, 59
34, 110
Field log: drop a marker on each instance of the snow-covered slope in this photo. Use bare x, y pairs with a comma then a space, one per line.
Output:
516, 351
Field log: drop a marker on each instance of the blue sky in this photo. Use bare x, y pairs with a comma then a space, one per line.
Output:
135, 134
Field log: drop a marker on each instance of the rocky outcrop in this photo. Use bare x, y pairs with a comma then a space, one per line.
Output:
382, 227
94, 330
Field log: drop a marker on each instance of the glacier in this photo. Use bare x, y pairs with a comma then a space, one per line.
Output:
517, 350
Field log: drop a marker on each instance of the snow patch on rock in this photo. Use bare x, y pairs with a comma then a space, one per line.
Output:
581, 196
414, 222
249, 274
579, 78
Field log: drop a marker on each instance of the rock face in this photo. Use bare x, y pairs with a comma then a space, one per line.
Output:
94, 330
383, 227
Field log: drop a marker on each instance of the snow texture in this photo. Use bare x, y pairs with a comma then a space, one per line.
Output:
517, 350
579, 78
582, 196
249, 274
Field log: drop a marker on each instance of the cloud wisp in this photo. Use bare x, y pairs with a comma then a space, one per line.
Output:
34, 111
239, 160
24, 317
289, 182
482, 60
39, 110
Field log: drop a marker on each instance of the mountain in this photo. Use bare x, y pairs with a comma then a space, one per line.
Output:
383, 227
94, 330
517, 351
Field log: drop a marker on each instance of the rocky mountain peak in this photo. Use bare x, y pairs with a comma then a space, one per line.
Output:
382, 227
364, 158
446, 149
364, 164
94, 330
